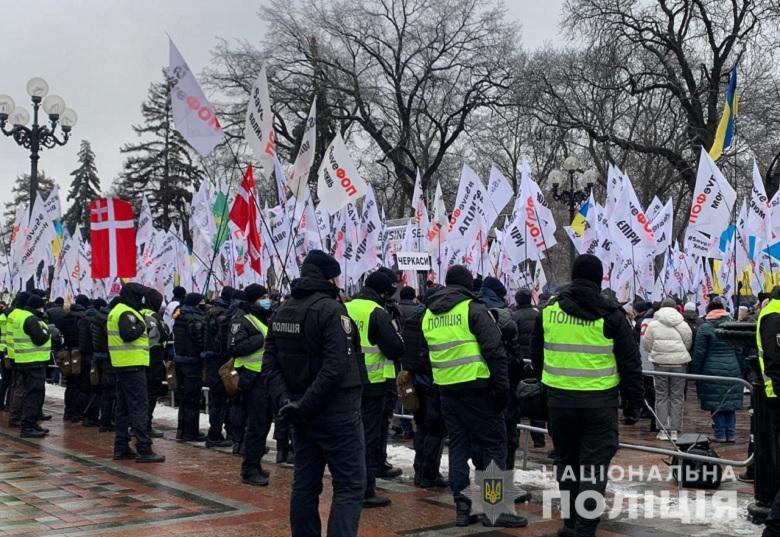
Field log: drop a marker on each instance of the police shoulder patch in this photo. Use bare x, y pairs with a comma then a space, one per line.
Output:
235, 327
346, 324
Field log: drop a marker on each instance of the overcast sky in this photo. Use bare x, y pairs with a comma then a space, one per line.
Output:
100, 56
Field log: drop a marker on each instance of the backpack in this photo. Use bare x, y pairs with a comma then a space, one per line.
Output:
695, 474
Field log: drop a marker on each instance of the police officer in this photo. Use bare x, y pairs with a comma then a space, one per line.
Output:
587, 355
92, 391
76, 385
247, 343
188, 332
32, 351
469, 366
158, 342
216, 354
17, 390
316, 378
430, 432
5, 364
107, 384
380, 345
128, 347
767, 331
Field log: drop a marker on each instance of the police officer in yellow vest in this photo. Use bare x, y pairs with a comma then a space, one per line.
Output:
381, 345
128, 347
471, 369
585, 351
16, 394
767, 333
5, 366
246, 345
32, 351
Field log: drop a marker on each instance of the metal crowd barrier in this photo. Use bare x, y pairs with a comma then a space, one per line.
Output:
676, 452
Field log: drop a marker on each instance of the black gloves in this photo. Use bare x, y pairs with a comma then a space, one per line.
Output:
291, 410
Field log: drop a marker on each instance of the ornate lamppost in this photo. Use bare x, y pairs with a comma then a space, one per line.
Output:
578, 189
36, 137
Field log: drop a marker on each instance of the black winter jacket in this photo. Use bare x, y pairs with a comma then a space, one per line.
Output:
188, 335
485, 329
130, 327
583, 299
245, 338
415, 357
329, 337
383, 334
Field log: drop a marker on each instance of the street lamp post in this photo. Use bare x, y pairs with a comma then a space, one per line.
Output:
575, 194
36, 137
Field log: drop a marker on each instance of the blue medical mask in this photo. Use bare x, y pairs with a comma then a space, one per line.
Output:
265, 303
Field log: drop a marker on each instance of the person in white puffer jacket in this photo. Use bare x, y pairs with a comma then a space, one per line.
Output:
667, 341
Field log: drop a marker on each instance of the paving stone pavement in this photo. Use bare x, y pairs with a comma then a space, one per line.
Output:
67, 485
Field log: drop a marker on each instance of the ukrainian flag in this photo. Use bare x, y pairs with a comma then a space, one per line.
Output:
725, 131
579, 222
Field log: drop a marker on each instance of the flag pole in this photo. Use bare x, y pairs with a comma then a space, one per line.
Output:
736, 217
223, 220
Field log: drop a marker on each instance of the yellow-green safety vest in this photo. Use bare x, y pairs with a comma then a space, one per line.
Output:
25, 351
10, 322
378, 366
3, 331
123, 353
577, 355
453, 349
254, 361
773, 306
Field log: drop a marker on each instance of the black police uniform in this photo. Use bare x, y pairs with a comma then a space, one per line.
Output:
430, 432
32, 376
92, 407
76, 386
132, 403
583, 423
159, 339
188, 332
252, 401
216, 354
310, 360
107, 386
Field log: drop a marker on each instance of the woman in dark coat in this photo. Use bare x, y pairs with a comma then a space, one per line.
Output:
713, 356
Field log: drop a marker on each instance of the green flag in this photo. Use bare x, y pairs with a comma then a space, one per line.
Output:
221, 217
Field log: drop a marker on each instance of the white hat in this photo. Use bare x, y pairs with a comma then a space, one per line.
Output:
689, 306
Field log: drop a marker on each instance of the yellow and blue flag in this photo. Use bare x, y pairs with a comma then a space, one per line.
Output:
579, 222
725, 132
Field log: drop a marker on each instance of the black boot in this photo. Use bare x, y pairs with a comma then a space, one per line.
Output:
281, 456
125, 454
375, 501
256, 479
149, 456
505, 520
463, 516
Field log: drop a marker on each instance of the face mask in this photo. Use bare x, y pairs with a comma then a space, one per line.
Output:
265, 303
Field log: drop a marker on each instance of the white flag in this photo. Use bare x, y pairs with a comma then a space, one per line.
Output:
654, 208
259, 124
629, 227
339, 182
758, 220
499, 192
713, 199
145, 223
662, 228
305, 158
36, 242
52, 204
193, 116
420, 216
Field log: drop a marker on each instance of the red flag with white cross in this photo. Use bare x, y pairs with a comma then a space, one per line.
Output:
112, 235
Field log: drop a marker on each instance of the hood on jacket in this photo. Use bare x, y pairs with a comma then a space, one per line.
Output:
583, 299
153, 299
447, 298
312, 280
132, 295
369, 293
668, 316
690, 315
489, 297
